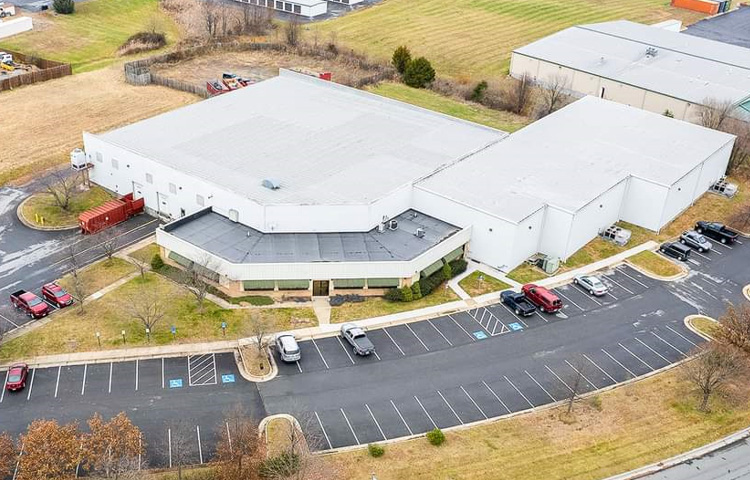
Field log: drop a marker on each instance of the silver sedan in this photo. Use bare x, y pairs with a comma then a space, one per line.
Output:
592, 284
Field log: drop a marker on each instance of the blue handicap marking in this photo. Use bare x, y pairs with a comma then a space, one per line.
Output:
515, 326
175, 383
480, 335
228, 378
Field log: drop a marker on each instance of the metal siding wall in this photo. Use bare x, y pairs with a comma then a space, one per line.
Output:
644, 203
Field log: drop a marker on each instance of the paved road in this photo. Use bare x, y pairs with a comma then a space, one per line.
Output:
729, 463
30, 258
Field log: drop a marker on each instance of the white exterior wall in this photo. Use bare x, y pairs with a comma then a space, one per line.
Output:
314, 270
644, 203
557, 225
600, 213
313, 10
527, 238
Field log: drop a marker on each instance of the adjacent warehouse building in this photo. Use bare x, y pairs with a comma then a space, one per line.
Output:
650, 68
299, 184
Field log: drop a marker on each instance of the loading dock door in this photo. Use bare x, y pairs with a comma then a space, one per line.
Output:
320, 288
137, 191
163, 204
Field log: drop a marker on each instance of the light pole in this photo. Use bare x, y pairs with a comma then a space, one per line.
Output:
99, 339
224, 328
174, 332
148, 335
123, 337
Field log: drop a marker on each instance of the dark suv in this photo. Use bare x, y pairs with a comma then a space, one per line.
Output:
675, 250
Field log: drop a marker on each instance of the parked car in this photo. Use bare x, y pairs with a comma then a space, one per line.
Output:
592, 284
518, 303
287, 347
16, 379
717, 231
56, 295
544, 299
675, 250
29, 303
357, 338
695, 240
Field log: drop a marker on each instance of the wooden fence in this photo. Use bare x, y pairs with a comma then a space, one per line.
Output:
48, 70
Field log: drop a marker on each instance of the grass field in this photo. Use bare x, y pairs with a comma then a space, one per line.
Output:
89, 38
705, 325
474, 286
472, 112
43, 205
100, 274
377, 306
625, 428
474, 38
655, 264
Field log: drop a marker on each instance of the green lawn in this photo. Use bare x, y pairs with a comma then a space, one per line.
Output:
705, 325
43, 205
472, 112
526, 273
145, 254
474, 286
655, 264
89, 38
99, 275
71, 331
377, 306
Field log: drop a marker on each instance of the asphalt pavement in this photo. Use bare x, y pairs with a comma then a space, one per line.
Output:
729, 463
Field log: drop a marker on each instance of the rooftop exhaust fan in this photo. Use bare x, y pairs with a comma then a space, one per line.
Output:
651, 52
271, 184
393, 225
419, 233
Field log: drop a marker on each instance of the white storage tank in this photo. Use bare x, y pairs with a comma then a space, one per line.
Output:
78, 159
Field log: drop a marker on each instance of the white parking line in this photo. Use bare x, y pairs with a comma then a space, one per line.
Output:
621, 286
323, 430
9, 321
724, 245
321, 357
425, 412
5, 385
737, 241
540, 386
376, 422
299, 367
695, 252
536, 312
162, 375
200, 448
350, 426
682, 336
402, 418
582, 375
169, 442
417, 337
345, 350
579, 288
704, 290
496, 396
83, 383
568, 299
618, 362
657, 353
635, 356
669, 344
441, 333
560, 379
475, 403
514, 314
462, 328
600, 368
519, 391
449, 406
394, 341
31, 384
633, 278
57, 382
136, 374
111, 364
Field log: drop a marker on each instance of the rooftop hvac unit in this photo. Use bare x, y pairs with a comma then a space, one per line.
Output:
381, 227
393, 225
722, 187
78, 159
419, 233
271, 184
619, 236
651, 52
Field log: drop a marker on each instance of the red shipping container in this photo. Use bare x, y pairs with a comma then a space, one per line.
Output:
704, 6
111, 213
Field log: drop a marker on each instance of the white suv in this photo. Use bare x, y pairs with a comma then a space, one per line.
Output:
287, 347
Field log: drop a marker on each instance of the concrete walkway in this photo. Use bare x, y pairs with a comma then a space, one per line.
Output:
322, 308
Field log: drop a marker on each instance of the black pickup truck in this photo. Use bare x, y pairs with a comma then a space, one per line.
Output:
717, 231
518, 303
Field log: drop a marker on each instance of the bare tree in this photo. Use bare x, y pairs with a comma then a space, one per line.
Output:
713, 113
78, 288
142, 266
741, 218
210, 15
519, 94
193, 277
147, 307
576, 383
61, 186
108, 243
734, 328
293, 32
256, 20
714, 366
739, 158
240, 451
553, 94
177, 444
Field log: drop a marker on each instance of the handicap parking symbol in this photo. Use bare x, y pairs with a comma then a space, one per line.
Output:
515, 326
480, 335
175, 383
227, 378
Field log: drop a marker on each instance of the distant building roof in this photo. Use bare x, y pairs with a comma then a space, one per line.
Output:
684, 66
324, 143
240, 244
574, 155
732, 27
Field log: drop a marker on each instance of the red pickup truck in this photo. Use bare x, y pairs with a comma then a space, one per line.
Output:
541, 297
29, 303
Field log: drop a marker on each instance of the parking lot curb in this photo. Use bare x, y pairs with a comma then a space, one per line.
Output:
31, 225
746, 292
240, 359
689, 324
683, 271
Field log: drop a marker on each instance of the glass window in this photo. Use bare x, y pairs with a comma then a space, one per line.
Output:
280, 5
297, 9
288, 7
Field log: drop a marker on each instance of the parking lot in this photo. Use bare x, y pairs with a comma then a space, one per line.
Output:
165, 397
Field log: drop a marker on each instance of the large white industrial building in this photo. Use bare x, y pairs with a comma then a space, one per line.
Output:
639, 65
296, 183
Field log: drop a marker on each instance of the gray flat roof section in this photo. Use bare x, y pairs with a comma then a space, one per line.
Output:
731, 27
239, 244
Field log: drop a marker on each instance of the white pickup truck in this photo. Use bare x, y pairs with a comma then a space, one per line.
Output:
7, 10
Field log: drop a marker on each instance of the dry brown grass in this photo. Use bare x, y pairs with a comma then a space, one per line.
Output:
42, 123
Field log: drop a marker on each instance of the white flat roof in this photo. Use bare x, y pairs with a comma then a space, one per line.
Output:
685, 67
569, 158
325, 143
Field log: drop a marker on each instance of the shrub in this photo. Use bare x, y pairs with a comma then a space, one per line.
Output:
375, 450
419, 73
64, 7
668, 113
401, 58
458, 266
406, 295
416, 291
428, 284
156, 262
284, 465
478, 93
435, 437
142, 42
447, 272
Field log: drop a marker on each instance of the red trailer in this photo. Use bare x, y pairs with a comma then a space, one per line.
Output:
111, 213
